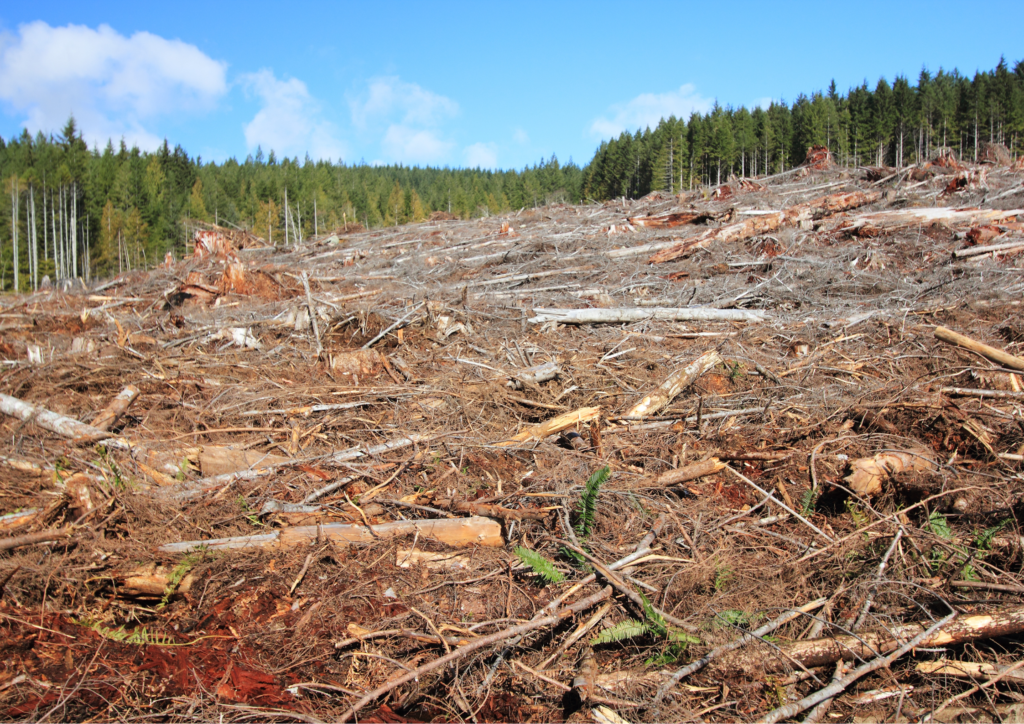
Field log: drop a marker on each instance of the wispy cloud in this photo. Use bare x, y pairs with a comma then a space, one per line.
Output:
481, 155
412, 118
405, 103
763, 103
291, 121
649, 108
113, 84
414, 146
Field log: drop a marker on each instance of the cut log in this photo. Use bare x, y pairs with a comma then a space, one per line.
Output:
151, 581
31, 539
667, 221
902, 218
455, 532
968, 669
676, 383
685, 473
639, 314
60, 424
554, 426
867, 474
794, 215
866, 646
990, 249
113, 412
214, 460
996, 355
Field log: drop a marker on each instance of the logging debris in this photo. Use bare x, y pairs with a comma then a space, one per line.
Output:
721, 455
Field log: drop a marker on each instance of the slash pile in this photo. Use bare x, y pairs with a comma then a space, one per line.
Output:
743, 454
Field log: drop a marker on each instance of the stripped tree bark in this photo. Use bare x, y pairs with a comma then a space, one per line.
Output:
113, 412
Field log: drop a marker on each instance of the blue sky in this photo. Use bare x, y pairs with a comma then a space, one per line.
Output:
494, 84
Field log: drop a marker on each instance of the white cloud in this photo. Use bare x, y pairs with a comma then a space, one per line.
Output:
763, 103
414, 145
412, 116
290, 122
114, 85
482, 155
409, 104
520, 137
649, 108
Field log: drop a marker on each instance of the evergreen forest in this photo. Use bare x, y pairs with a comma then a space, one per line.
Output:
71, 211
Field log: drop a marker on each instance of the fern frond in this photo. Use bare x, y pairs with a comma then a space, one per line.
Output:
628, 629
539, 565
177, 574
655, 621
587, 505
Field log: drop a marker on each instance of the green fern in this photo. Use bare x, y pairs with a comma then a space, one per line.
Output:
139, 636
177, 574
628, 629
587, 505
539, 565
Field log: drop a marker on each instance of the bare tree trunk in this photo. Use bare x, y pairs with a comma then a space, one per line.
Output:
316, 225
32, 235
286, 216
74, 229
14, 228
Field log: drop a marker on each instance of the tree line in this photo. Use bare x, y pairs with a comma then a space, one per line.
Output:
71, 211
893, 124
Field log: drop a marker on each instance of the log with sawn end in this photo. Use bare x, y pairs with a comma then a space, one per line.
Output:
456, 532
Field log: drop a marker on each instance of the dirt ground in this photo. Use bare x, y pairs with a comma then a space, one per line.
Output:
849, 479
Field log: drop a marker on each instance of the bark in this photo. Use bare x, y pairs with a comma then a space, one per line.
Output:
991, 353
866, 646
455, 532
676, 383
794, 215
637, 314
113, 412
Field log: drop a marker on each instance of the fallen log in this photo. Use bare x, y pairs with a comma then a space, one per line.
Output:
763, 224
194, 488
867, 474
456, 532
113, 412
991, 353
968, 669
676, 383
901, 218
554, 426
685, 473
867, 645
31, 539
990, 249
667, 221
60, 424
639, 314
